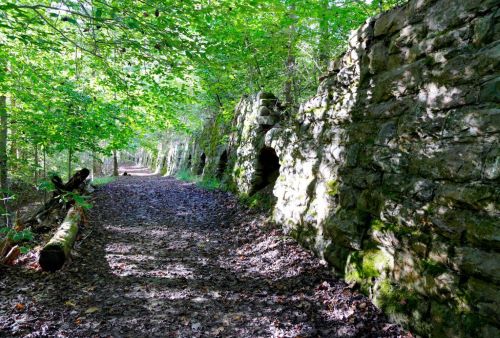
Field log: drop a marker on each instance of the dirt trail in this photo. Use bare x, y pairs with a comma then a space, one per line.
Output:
163, 258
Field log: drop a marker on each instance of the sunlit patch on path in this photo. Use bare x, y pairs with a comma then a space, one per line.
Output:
165, 258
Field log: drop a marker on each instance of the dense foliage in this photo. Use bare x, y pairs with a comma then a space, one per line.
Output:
83, 78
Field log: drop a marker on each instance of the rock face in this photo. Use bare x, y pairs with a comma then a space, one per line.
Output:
391, 172
256, 166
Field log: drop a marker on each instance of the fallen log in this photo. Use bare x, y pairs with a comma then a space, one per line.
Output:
77, 182
57, 250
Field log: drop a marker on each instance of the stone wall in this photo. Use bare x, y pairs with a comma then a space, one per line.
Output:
255, 116
391, 172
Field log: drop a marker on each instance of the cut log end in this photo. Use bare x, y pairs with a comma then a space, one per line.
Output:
57, 250
52, 258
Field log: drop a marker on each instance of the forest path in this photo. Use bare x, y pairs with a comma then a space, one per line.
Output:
164, 258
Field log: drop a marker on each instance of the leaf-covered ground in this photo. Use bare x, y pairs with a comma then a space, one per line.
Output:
164, 258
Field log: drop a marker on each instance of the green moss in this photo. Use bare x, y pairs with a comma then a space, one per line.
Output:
374, 262
238, 172
332, 187
377, 224
368, 269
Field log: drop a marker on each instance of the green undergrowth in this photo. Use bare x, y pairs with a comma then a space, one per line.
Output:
208, 183
100, 181
18, 237
264, 202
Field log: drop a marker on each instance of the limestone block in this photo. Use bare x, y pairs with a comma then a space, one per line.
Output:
490, 91
389, 160
483, 28
266, 120
408, 36
440, 251
484, 197
438, 97
447, 14
486, 298
455, 39
344, 228
386, 133
391, 108
378, 57
470, 122
397, 82
451, 162
483, 230
466, 67
390, 22
485, 265
492, 164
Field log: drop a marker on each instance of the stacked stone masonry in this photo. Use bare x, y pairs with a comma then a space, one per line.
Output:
391, 172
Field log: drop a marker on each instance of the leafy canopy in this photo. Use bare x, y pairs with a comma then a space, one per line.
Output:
95, 75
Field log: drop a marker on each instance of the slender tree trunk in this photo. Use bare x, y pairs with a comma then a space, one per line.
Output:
13, 152
70, 169
3, 157
36, 164
44, 173
290, 61
115, 163
3, 144
288, 90
324, 28
92, 174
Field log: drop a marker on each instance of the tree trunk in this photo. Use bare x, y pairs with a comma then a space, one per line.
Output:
44, 173
70, 154
3, 144
96, 166
36, 164
290, 61
115, 163
58, 249
4, 186
324, 28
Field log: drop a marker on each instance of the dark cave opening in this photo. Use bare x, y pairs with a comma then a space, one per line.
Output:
222, 164
268, 170
203, 160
